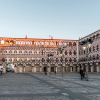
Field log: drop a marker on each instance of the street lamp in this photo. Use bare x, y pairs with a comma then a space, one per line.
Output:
62, 56
86, 43
49, 59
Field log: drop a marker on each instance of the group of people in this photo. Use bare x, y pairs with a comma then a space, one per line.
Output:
82, 74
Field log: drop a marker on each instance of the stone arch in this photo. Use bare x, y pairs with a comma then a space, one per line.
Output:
44, 67
37, 67
20, 68
59, 68
52, 67
28, 68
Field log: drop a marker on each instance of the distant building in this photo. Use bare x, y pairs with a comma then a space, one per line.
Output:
31, 54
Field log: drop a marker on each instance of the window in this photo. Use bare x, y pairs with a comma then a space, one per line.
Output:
70, 43
74, 44
65, 52
2, 41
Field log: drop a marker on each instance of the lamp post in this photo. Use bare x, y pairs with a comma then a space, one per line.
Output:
50, 58
62, 56
87, 44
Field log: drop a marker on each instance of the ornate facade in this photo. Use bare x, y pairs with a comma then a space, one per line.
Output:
30, 54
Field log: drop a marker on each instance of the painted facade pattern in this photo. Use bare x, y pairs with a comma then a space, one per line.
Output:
30, 55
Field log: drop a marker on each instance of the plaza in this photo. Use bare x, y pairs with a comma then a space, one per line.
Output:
38, 86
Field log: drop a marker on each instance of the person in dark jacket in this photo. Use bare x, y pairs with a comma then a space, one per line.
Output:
81, 73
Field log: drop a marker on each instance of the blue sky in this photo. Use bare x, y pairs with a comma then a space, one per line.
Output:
62, 19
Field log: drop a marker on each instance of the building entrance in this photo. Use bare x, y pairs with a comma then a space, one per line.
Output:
45, 69
52, 69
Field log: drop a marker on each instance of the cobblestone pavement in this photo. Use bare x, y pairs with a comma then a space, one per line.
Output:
38, 86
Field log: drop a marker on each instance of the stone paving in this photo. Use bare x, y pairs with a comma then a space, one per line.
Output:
38, 86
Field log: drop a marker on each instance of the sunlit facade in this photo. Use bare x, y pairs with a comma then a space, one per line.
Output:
30, 54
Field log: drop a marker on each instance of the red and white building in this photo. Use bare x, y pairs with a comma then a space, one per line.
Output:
30, 54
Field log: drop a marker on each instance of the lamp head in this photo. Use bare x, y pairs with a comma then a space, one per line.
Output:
89, 45
84, 48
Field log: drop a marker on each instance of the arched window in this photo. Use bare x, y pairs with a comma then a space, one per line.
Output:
93, 48
74, 52
66, 60
65, 52
97, 47
74, 44
57, 60
75, 60
70, 52
43, 59
70, 43
93, 57
90, 57
70, 60
97, 56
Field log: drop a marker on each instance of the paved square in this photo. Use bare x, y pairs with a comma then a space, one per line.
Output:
38, 86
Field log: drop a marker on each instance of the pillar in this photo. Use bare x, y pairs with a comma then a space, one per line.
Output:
78, 68
40, 69
98, 69
24, 69
92, 69
74, 68
32, 68
15, 68
4, 68
70, 68
67, 68
48, 68
56, 69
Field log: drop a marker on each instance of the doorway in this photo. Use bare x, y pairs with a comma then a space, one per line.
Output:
45, 69
52, 69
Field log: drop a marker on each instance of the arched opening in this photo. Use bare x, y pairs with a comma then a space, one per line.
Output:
20, 68
28, 68
45, 69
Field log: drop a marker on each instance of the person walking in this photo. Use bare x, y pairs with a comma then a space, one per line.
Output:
81, 73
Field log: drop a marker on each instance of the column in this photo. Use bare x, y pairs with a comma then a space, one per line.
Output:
98, 69
48, 68
70, 68
40, 69
4, 68
78, 68
32, 68
15, 68
24, 69
74, 68
56, 69
92, 69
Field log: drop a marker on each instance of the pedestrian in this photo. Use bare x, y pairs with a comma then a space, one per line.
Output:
81, 73
55, 72
84, 74
1, 70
